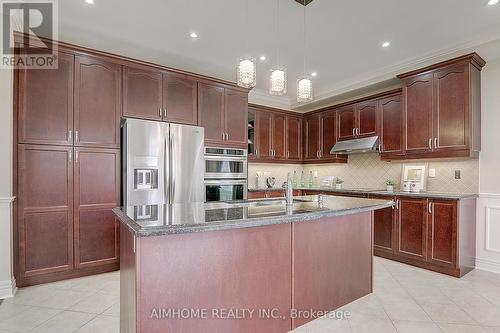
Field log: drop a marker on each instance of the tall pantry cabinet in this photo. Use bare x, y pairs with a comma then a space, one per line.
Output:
68, 168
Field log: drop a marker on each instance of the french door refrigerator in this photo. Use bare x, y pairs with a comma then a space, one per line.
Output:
162, 163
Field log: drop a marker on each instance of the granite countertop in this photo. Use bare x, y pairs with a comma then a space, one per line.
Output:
157, 220
431, 195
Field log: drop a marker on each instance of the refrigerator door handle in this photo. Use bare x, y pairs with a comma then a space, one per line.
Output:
172, 168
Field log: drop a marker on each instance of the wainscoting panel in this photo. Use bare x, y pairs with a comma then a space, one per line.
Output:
488, 232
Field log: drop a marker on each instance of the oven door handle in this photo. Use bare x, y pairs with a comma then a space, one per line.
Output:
226, 158
224, 182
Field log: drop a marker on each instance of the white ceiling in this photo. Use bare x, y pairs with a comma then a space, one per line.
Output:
343, 43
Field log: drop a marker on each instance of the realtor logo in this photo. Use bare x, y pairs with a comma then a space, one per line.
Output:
24, 23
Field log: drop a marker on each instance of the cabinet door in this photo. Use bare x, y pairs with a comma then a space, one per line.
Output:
442, 243
97, 103
346, 118
367, 120
418, 106
293, 138
236, 118
383, 228
279, 136
412, 228
180, 99
211, 112
391, 135
45, 215
328, 136
251, 134
451, 116
256, 195
263, 132
97, 192
312, 137
46, 104
142, 93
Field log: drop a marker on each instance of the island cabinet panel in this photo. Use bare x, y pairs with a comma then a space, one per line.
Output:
442, 243
418, 102
45, 103
236, 117
412, 228
442, 109
325, 276
142, 93
128, 282
180, 101
211, 112
97, 192
97, 102
45, 216
293, 138
219, 271
391, 129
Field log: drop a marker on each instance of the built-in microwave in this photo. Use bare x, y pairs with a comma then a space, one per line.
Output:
225, 189
225, 163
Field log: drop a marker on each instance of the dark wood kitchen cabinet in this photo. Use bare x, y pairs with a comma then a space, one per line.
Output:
412, 228
97, 104
358, 120
442, 235
320, 136
277, 135
391, 127
45, 103
441, 107
223, 112
346, 120
384, 227
96, 193
152, 94
45, 212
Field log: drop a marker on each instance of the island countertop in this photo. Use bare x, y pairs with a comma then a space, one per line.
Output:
157, 220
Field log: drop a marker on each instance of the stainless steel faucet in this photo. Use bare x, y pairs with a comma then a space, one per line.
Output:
289, 190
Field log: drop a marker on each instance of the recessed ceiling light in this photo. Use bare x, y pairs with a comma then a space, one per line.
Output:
314, 74
89, 2
386, 44
263, 58
192, 35
493, 2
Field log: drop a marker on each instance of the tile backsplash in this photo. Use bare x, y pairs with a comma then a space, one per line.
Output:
368, 171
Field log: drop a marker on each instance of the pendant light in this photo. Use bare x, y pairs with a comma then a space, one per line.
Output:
277, 79
247, 68
304, 83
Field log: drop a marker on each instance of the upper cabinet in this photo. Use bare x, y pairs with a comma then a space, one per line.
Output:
346, 120
391, 126
357, 120
312, 137
441, 109
223, 112
45, 103
156, 95
97, 105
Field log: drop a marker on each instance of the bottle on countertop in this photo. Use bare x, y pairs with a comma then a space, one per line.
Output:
302, 179
311, 179
294, 179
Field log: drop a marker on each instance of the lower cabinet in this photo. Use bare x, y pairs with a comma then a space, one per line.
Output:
425, 232
65, 227
270, 194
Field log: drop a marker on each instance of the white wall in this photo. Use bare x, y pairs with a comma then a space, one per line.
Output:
7, 284
488, 208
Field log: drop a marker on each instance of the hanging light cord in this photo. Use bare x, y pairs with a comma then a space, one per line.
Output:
304, 46
246, 25
278, 32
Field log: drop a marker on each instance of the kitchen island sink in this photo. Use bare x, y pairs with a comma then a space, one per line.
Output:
249, 266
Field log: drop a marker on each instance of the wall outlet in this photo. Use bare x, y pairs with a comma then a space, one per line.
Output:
457, 174
432, 173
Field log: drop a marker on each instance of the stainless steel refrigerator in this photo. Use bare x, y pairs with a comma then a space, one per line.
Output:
162, 163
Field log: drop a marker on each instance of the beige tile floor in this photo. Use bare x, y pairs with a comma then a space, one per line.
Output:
405, 300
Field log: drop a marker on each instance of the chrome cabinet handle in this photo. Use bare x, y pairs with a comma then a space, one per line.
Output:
435, 143
287, 154
70, 155
320, 153
70, 135
430, 143
256, 152
357, 131
76, 156
430, 207
77, 137
380, 147
397, 204
160, 112
165, 113
354, 131
223, 136
227, 136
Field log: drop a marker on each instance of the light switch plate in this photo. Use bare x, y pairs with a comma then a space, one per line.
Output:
432, 173
457, 174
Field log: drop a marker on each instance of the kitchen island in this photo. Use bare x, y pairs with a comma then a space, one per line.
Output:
249, 266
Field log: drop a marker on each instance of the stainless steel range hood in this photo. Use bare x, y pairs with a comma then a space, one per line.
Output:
356, 146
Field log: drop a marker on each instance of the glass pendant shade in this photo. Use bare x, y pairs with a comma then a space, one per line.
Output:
247, 72
277, 81
304, 90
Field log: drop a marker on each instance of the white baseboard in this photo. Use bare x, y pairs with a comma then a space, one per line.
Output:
488, 265
8, 288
